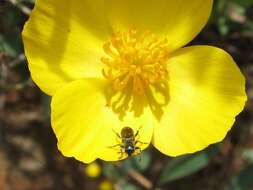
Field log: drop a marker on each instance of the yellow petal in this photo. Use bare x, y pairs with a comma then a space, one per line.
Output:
180, 21
86, 127
207, 91
63, 41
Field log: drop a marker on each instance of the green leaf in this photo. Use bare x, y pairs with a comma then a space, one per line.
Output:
223, 26
142, 161
10, 34
183, 166
247, 155
111, 171
243, 3
46, 101
139, 163
129, 186
124, 184
11, 44
243, 181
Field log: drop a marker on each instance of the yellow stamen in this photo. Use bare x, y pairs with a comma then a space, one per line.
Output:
137, 59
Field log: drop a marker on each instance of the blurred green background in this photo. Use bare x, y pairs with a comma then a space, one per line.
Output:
29, 159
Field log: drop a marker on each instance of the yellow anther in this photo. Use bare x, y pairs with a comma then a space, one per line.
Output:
136, 58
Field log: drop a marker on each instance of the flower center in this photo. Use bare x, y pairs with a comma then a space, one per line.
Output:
135, 59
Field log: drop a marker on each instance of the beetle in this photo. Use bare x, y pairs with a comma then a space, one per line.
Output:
129, 141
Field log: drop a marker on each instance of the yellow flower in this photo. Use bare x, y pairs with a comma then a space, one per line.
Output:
109, 64
106, 185
93, 170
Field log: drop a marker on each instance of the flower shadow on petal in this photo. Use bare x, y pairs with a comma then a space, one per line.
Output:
155, 98
158, 97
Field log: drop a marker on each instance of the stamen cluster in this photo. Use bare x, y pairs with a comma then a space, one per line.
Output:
135, 59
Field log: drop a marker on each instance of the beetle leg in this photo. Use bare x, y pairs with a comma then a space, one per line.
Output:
118, 135
121, 154
137, 132
118, 139
139, 151
120, 145
141, 143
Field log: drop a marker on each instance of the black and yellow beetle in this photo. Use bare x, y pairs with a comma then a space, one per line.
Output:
128, 142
